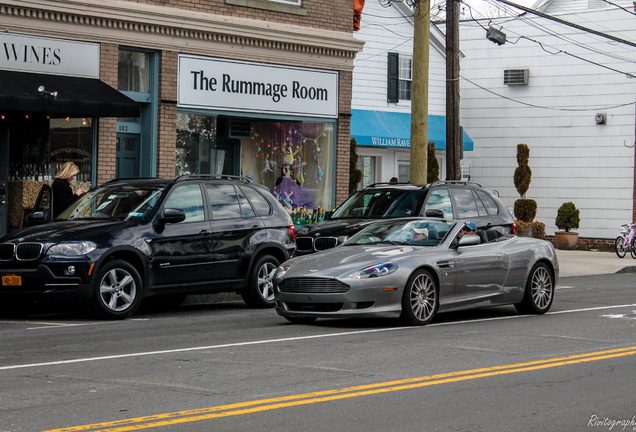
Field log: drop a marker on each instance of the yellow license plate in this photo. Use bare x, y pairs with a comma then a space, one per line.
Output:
11, 280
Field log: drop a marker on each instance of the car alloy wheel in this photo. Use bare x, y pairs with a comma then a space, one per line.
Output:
118, 290
420, 300
260, 290
539, 291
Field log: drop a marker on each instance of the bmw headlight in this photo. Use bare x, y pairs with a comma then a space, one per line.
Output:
374, 271
75, 248
282, 269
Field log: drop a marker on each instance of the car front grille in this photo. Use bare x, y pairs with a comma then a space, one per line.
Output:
304, 244
7, 251
322, 243
28, 251
308, 285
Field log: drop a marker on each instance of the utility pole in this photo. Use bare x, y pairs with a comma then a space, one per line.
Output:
453, 131
419, 91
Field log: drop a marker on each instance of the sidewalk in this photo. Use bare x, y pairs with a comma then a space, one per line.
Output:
583, 263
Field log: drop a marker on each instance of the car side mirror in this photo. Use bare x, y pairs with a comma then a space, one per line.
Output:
35, 216
435, 213
469, 240
172, 215
328, 214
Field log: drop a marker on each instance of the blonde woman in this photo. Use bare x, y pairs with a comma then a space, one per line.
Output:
63, 194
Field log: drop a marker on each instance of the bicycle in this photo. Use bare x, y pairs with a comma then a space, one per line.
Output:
625, 242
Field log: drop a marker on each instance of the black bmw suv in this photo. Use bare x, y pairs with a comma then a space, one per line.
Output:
445, 199
131, 239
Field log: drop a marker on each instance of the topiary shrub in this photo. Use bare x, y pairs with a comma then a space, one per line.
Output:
523, 173
567, 217
355, 175
525, 210
531, 229
432, 173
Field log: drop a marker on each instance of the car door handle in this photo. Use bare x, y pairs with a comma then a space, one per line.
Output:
204, 232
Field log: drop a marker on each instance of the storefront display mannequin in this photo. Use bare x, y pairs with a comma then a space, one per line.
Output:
63, 194
290, 192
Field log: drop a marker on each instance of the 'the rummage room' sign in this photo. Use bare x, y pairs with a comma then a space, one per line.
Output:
227, 85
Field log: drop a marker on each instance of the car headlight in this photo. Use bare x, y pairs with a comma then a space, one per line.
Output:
282, 269
374, 271
76, 248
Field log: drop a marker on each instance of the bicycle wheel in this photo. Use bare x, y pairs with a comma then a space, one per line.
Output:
632, 249
619, 247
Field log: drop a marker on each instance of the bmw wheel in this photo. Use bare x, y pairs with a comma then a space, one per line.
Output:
118, 290
259, 292
420, 300
539, 293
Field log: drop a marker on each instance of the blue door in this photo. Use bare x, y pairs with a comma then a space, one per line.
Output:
128, 150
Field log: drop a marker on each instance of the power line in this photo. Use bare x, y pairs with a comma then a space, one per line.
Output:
567, 23
545, 107
619, 6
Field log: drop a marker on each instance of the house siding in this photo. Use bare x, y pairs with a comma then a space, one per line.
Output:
571, 157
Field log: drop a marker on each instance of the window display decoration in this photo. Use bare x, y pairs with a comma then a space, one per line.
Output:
283, 148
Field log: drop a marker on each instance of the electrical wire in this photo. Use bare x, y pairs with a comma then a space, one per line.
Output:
620, 7
545, 107
385, 28
383, 52
560, 51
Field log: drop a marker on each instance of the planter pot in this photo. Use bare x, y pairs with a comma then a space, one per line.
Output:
565, 240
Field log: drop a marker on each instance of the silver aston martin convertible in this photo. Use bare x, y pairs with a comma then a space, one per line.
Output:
415, 268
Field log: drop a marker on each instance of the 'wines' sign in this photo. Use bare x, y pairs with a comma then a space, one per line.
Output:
49, 56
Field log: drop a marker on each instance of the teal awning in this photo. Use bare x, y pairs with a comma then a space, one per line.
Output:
392, 129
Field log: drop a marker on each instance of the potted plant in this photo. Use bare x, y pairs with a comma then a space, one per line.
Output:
567, 218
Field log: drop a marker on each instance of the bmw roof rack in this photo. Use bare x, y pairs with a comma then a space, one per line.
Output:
133, 178
212, 177
391, 184
463, 182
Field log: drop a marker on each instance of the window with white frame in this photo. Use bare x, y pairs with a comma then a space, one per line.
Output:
406, 77
399, 77
367, 164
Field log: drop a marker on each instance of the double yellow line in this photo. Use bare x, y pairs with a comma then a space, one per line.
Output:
345, 393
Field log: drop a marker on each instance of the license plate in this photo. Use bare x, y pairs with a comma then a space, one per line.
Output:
11, 280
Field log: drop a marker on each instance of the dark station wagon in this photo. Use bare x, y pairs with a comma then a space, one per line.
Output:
457, 200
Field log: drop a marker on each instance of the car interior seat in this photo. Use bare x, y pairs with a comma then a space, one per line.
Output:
493, 235
483, 236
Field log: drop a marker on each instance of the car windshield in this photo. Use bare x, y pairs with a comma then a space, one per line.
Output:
122, 202
381, 203
419, 232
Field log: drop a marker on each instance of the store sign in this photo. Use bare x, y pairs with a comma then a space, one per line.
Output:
389, 142
48, 56
209, 83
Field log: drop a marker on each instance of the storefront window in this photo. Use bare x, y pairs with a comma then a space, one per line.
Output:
43, 145
72, 140
38, 147
293, 159
134, 71
196, 152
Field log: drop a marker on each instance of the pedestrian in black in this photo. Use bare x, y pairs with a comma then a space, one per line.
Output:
63, 194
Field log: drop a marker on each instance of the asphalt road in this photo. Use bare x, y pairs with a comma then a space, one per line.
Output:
223, 367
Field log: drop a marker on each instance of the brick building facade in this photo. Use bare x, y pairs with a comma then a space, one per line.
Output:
310, 38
